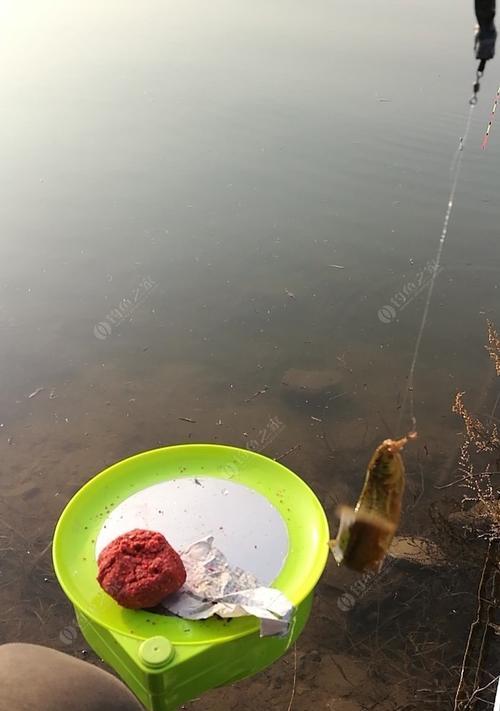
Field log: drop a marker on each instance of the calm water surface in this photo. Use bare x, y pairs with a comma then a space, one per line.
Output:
201, 167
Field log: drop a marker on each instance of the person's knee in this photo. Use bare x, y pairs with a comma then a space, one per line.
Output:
34, 677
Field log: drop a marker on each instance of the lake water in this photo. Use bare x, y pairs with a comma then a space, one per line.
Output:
177, 180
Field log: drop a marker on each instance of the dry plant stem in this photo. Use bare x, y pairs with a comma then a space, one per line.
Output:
476, 641
486, 686
450, 464
294, 683
342, 672
484, 438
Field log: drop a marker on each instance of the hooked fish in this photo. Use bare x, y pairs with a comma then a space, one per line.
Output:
365, 532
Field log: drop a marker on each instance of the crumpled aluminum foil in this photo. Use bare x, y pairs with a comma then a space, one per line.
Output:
213, 587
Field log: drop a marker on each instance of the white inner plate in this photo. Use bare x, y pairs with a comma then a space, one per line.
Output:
246, 527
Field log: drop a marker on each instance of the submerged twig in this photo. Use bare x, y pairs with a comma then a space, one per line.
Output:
14, 530
328, 445
257, 393
288, 451
36, 559
451, 483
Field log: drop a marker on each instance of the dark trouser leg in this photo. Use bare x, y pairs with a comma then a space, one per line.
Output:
484, 42
34, 678
485, 12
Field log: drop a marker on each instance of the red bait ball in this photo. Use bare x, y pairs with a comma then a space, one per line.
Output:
140, 568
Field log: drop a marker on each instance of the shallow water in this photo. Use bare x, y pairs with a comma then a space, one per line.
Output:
199, 168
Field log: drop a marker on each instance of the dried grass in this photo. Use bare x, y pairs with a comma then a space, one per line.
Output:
479, 456
482, 437
493, 346
478, 464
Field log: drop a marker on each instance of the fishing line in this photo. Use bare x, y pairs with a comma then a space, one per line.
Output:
492, 116
460, 148
456, 167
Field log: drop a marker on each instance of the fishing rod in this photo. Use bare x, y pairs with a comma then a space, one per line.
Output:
484, 40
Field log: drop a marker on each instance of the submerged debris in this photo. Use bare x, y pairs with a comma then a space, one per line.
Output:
417, 550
